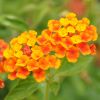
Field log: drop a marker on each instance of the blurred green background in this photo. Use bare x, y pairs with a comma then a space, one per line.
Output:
17, 16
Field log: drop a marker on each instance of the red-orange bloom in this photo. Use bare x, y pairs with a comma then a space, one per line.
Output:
60, 51
26, 50
39, 75
72, 54
12, 76
22, 73
84, 48
54, 62
54, 25
46, 48
9, 65
93, 49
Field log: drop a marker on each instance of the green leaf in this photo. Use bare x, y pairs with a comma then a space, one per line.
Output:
5, 33
22, 90
69, 69
55, 87
13, 22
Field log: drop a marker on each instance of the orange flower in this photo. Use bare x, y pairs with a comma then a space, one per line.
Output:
47, 48
60, 51
39, 75
56, 38
22, 61
72, 54
53, 61
9, 65
2, 85
22, 73
54, 25
43, 63
46, 33
12, 76
66, 42
86, 36
41, 40
84, 48
32, 65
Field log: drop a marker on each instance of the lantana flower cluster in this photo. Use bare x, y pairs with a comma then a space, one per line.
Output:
31, 54
24, 57
69, 37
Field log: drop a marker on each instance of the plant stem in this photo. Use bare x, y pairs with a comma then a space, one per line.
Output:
46, 95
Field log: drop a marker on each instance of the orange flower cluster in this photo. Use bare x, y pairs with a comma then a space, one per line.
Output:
69, 36
29, 53
3, 46
25, 56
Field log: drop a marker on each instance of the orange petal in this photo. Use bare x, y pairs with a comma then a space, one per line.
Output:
32, 65
12, 76
46, 48
53, 25
22, 73
93, 49
72, 54
43, 63
39, 75
60, 51
84, 48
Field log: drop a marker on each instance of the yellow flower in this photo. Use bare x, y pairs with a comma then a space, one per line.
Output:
22, 61
16, 47
64, 21
13, 41
8, 53
80, 27
73, 21
71, 15
62, 32
18, 54
32, 33
76, 39
31, 42
36, 52
70, 29
22, 38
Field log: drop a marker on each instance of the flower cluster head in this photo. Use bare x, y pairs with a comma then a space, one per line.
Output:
24, 57
70, 37
31, 54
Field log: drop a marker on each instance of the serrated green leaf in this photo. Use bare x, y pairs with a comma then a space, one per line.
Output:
24, 89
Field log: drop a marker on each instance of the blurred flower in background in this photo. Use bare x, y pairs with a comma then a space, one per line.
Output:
77, 6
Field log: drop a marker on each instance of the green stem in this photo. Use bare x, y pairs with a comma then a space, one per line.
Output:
46, 95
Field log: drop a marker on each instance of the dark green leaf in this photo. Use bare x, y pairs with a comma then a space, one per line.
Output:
24, 89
